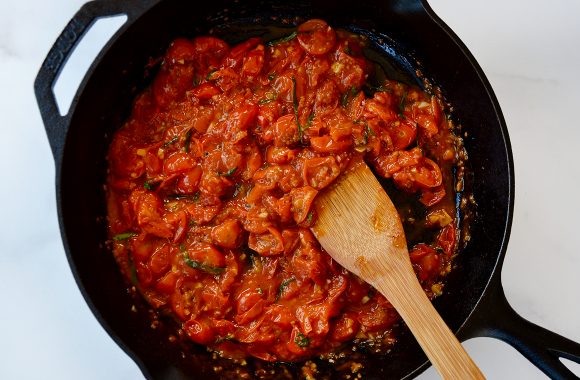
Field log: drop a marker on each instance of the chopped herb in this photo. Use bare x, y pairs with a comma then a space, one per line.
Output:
266, 101
369, 131
309, 122
271, 77
187, 140
206, 268
309, 217
252, 257
182, 196
209, 75
370, 89
295, 105
124, 236
132, 271
259, 291
287, 38
348, 95
301, 340
270, 97
148, 185
283, 286
172, 141
229, 173
196, 196
229, 337
402, 104
294, 98
133, 274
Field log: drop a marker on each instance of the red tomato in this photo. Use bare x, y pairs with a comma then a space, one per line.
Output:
210, 51
302, 199
227, 234
206, 254
178, 163
205, 91
171, 84
253, 62
345, 328
199, 331
181, 51
189, 181
447, 239
267, 244
403, 134
426, 261
430, 197
320, 172
316, 36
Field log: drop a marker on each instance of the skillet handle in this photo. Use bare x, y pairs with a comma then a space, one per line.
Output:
495, 318
56, 125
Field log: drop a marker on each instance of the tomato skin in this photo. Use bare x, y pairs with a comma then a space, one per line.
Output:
199, 331
426, 260
148, 208
285, 131
178, 163
208, 255
180, 51
316, 36
210, 51
279, 155
227, 234
403, 134
320, 172
172, 83
253, 62
302, 199
205, 91
345, 328
267, 244
430, 197
447, 239
189, 181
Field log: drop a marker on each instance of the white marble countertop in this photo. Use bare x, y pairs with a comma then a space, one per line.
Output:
530, 51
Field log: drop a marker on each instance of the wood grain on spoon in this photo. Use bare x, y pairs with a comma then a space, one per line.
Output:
360, 228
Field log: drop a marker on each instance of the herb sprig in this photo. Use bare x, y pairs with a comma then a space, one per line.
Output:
124, 236
281, 40
301, 340
283, 286
204, 267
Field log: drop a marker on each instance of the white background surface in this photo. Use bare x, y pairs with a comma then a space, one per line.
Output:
530, 51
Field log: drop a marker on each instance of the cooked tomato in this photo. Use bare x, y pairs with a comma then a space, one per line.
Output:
213, 179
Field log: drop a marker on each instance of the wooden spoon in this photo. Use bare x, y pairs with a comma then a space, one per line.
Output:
360, 228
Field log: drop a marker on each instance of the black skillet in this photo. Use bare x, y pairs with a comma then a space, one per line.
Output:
410, 36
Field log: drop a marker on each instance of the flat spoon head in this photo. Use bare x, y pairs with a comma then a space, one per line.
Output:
360, 228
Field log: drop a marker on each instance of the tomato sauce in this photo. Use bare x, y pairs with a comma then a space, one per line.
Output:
212, 180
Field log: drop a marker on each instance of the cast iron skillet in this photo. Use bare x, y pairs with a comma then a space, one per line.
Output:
409, 34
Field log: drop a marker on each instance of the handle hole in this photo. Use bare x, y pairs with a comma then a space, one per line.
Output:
74, 70
571, 365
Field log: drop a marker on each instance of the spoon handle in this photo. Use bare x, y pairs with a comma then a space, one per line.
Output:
443, 349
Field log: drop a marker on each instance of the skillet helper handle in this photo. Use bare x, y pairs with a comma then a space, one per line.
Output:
56, 124
540, 346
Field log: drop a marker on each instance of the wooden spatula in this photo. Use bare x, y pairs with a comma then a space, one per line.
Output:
360, 228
